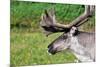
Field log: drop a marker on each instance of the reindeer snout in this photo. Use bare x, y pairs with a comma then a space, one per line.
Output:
51, 50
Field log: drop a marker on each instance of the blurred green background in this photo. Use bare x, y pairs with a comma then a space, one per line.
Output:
28, 43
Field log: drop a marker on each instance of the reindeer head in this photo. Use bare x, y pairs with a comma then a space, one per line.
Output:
50, 25
63, 42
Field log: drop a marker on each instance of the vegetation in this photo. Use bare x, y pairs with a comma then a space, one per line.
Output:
31, 49
28, 43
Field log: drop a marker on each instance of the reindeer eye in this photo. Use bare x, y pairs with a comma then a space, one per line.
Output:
64, 36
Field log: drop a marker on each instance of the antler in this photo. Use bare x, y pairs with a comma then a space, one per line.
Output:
48, 21
48, 18
84, 17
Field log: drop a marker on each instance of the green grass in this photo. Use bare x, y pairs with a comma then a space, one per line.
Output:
31, 49
28, 14
28, 44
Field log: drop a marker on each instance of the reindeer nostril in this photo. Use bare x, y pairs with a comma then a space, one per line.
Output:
48, 46
51, 51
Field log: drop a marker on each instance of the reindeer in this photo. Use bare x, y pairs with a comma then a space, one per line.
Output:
80, 43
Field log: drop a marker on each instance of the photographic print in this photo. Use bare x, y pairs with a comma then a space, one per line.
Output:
44, 33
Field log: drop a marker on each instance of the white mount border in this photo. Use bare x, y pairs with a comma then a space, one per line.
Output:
85, 2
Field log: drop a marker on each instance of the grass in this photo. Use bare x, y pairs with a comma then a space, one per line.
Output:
28, 14
30, 49
28, 44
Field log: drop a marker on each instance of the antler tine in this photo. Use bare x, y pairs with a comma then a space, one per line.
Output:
51, 16
52, 12
85, 20
48, 21
89, 11
77, 22
82, 18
